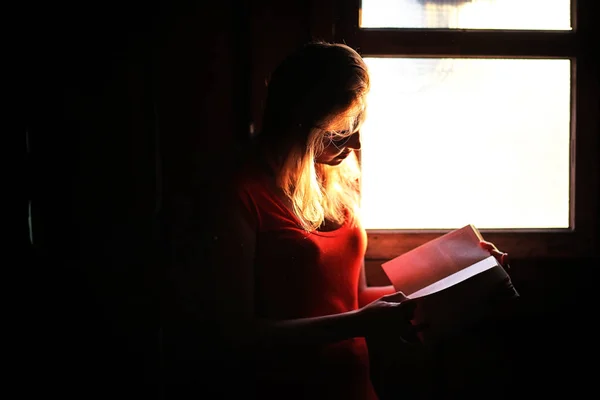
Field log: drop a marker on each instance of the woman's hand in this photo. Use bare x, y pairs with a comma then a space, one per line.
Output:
397, 362
500, 256
392, 312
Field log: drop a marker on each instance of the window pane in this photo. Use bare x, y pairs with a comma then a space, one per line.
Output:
448, 142
467, 14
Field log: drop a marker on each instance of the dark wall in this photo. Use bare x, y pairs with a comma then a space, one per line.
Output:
124, 104
89, 99
127, 110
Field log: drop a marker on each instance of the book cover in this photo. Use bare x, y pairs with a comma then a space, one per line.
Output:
453, 281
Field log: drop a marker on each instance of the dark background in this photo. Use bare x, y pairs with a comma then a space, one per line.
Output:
122, 109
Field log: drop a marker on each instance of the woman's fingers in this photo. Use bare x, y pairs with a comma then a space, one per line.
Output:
504, 260
397, 297
405, 306
489, 246
408, 308
500, 256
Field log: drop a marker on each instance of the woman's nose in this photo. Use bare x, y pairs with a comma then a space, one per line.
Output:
354, 141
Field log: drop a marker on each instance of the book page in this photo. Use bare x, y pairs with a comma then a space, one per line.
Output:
456, 278
436, 260
452, 280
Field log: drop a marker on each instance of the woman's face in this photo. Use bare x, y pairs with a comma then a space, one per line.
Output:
336, 150
337, 146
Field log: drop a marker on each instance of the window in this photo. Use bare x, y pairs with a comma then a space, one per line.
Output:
454, 131
467, 14
480, 112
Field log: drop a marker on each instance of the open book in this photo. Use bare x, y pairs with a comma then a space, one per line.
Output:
453, 280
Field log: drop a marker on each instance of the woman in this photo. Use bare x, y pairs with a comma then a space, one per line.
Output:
288, 248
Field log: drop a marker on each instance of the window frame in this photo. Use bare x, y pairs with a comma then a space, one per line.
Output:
338, 21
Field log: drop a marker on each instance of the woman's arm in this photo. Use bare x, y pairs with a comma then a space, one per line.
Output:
232, 254
368, 294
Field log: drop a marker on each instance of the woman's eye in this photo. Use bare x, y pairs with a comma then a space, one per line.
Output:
341, 141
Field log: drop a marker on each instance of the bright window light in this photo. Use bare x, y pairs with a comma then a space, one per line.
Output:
450, 142
467, 14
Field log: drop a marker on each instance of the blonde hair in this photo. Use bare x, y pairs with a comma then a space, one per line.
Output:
320, 85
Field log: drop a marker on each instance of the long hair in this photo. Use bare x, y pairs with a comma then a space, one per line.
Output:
319, 85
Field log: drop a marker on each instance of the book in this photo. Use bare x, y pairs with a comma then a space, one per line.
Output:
453, 281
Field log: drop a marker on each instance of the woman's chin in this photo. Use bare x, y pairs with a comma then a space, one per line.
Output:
336, 160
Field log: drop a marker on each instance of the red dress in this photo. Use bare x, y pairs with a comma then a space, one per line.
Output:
298, 275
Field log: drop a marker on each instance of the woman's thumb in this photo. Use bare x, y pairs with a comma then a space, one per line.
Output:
397, 297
